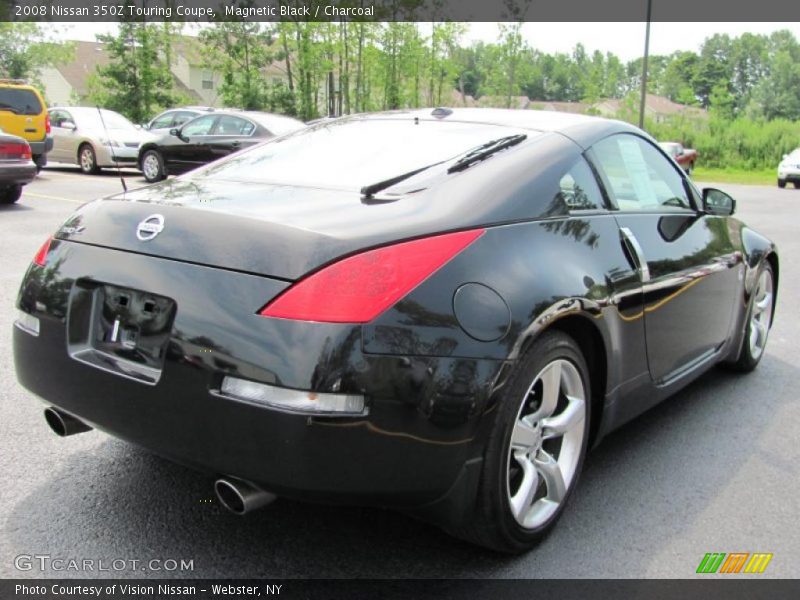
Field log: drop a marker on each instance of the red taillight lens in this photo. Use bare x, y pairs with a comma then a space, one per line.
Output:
359, 288
41, 256
15, 150
47, 123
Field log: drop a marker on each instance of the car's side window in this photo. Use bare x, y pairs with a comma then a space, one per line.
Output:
229, 125
163, 122
181, 117
59, 117
638, 176
200, 126
578, 189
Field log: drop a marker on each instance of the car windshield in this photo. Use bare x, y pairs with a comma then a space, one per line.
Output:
352, 153
90, 118
19, 101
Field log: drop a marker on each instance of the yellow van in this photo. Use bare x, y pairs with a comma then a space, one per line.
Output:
23, 113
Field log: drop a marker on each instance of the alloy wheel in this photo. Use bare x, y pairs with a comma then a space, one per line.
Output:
761, 315
151, 166
546, 443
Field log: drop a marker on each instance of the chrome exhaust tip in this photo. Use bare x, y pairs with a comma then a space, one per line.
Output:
241, 497
63, 424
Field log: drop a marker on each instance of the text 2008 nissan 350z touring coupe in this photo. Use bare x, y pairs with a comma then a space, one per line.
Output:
437, 311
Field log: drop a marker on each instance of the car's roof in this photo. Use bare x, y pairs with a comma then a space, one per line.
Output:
583, 129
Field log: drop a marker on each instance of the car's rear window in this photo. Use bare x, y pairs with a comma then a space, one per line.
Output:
20, 101
350, 154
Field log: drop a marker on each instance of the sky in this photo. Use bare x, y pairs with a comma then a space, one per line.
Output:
626, 40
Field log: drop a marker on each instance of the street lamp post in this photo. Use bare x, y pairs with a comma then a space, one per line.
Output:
644, 64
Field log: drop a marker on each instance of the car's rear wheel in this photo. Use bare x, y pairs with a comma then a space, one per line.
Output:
781, 183
759, 321
689, 168
536, 448
153, 166
87, 159
9, 195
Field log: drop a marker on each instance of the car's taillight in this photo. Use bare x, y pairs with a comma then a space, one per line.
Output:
41, 256
47, 123
15, 150
359, 288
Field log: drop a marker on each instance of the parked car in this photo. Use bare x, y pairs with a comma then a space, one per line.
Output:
789, 169
175, 117
685, 157
207, 138
94, 138
438, 312
23, 113
16, 167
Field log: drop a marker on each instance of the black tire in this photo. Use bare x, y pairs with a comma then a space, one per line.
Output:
689, 169
9, 195
796, 184
87, 160
152, 166
746, 361
492, 523
781, 183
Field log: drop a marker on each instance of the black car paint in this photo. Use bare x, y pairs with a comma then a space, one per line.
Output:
183, 153
430, 382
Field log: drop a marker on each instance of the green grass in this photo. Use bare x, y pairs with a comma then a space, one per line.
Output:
745, 176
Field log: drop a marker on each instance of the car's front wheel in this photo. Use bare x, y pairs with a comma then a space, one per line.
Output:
781, 183
153, 166
759, 321
9, 195
87, 160
536, 449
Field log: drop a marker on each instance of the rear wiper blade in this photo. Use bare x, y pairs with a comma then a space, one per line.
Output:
486, 150
368, 191
475, 155
10, 109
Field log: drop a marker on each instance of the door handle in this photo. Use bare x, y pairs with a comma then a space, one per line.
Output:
236, 144
635, 249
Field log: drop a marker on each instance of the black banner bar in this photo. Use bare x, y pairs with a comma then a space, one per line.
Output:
710, 11
733, 588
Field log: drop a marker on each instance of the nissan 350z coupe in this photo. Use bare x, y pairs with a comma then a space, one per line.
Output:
436, 311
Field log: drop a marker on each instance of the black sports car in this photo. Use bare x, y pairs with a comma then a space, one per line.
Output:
434, 311
207, 138
16, 167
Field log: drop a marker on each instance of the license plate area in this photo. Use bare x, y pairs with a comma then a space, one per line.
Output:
119, 330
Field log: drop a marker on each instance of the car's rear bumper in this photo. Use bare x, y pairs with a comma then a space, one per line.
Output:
42, 147
123, 156
425, 413
15, 173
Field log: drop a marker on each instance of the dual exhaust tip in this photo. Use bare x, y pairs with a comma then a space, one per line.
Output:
238, 496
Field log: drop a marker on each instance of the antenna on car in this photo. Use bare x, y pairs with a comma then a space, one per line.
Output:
108, 140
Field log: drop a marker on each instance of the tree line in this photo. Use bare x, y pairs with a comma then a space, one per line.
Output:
310, 70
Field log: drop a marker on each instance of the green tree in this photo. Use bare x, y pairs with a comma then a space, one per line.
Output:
25, 48
138, 81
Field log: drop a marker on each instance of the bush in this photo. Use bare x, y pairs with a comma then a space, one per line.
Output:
740, 143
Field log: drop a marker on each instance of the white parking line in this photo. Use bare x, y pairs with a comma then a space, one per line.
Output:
27, 194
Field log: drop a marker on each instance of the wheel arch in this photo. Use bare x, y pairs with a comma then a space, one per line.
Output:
584, 330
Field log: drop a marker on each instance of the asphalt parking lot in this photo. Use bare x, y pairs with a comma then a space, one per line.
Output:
714, 469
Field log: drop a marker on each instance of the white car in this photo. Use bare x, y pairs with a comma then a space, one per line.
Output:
93, 138
789, 169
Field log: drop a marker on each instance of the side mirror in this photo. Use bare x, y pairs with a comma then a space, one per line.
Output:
175, 131
717, 202
68, 125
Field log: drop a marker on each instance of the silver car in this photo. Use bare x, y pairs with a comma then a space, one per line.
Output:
93, 138
789, 169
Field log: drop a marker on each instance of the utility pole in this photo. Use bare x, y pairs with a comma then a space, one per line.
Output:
644, 64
